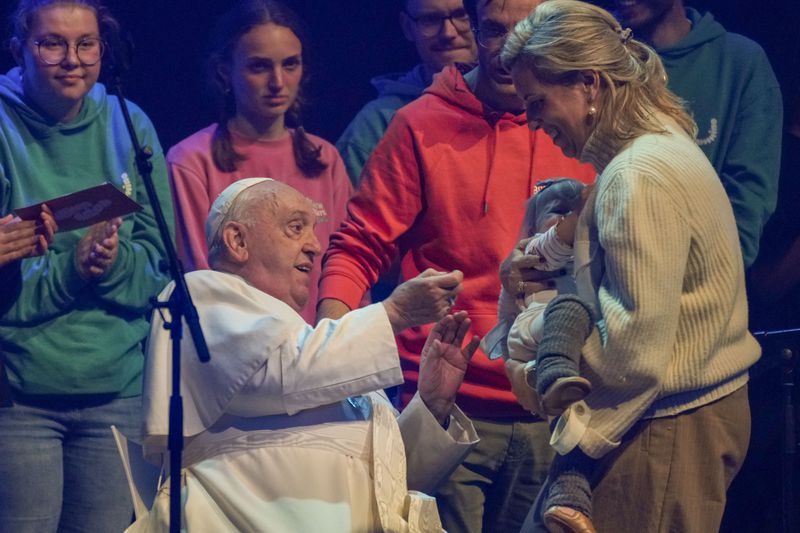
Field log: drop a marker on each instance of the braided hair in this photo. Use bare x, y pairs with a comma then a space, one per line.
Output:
232, 26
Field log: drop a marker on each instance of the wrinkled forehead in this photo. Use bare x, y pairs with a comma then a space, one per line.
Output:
279, 201
296, 202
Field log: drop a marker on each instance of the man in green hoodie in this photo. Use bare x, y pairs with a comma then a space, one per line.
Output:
734, 97
441, 34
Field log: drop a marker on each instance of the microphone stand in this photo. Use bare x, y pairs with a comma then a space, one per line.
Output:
788, 345
180, 303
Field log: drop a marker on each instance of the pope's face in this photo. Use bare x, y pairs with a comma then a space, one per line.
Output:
282, 246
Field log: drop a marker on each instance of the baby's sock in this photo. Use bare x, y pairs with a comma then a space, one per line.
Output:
567, 323
569, 482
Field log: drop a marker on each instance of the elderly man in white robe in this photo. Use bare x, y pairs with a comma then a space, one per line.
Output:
286, 428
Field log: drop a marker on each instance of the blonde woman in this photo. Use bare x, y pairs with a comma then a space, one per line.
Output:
657, 256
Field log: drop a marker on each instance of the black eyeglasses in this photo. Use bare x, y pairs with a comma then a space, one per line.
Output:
430, 24
491, 36
53, 50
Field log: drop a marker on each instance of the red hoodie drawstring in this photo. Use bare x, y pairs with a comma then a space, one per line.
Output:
492, 150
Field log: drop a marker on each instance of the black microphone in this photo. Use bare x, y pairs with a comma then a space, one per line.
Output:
120, 59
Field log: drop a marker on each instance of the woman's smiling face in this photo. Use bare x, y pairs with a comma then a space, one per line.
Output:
59, 89
561, 110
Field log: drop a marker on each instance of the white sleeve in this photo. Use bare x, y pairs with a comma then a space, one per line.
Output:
432, 453
265, 359
353, 355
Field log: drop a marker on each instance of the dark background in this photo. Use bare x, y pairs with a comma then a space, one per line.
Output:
351, 41
354, 40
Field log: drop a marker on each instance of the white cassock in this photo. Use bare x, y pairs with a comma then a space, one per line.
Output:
283, 430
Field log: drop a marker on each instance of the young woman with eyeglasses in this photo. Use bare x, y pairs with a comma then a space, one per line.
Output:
72, 320
257, 69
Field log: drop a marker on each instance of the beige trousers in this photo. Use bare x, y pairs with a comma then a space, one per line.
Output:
672, 474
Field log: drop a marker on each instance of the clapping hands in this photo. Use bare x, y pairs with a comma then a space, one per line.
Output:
97, 250
26, 238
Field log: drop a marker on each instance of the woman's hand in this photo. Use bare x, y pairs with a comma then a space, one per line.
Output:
47, 229
97, 250
443, 363
518, 273
526, 396
25, 238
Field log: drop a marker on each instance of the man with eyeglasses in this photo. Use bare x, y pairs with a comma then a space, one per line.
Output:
440, 31
445, 188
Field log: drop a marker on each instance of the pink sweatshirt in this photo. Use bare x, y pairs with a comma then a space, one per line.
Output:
196, 182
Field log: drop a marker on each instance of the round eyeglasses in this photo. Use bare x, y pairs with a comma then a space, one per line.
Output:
53, 50
430, 24
490, 37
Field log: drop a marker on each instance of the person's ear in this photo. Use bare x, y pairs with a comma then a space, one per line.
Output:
591, 84
223, 73
15, 45
408, 26
234, 236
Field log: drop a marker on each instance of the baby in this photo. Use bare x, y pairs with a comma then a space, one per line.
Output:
551, 216
542, 334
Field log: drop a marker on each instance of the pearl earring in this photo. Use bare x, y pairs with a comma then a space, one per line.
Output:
590, 115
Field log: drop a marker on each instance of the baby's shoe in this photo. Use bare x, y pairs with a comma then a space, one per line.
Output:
564, 392
561, 519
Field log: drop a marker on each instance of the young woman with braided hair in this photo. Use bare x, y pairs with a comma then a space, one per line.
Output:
256, 68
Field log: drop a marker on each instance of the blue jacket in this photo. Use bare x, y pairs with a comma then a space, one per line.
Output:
363, 133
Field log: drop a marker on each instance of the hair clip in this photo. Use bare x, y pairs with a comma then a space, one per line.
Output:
625, 35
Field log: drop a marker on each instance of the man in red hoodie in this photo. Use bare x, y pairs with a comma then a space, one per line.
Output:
445, 189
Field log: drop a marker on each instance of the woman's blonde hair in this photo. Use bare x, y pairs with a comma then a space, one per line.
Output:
562, 39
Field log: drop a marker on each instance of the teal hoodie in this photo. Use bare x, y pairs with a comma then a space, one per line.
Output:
59, 334
366, 129
734, 97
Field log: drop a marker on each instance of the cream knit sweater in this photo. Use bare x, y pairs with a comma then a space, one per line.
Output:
657, 252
